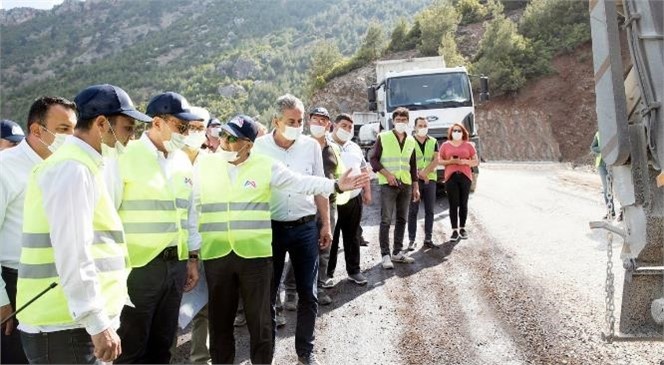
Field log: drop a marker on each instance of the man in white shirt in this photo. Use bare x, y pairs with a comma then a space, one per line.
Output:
46, 114
350, 213
294, 228
76, 321
151, 188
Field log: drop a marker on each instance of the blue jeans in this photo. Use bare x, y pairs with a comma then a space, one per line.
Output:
61, 347
301, 244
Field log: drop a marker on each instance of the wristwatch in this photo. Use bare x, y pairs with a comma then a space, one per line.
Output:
337, 188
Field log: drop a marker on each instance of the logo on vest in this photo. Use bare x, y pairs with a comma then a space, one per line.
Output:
187, 181
250, 184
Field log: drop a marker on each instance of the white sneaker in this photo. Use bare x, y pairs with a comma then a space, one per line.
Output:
401, 257
387, 262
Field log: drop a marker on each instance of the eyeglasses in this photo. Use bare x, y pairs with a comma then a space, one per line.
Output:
180, 126
457, 130
195, 127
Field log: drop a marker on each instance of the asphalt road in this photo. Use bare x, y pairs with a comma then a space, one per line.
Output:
527, 287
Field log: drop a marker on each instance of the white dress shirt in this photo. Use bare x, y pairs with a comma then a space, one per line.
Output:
70, 194
282, 180
16, 164
353, 158
116, 186
304, 156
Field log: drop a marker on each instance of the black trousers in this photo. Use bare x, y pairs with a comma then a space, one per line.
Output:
11, 351
229, 278
347, 225
458, 190
148, 329
61, 347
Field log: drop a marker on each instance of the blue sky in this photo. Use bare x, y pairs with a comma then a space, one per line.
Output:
38, 4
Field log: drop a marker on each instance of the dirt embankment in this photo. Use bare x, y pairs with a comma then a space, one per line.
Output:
552, 118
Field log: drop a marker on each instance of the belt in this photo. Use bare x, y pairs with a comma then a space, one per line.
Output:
295, 223
169, 254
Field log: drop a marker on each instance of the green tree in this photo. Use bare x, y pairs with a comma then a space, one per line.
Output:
436, 21
325, 55
448, 49
414, 36
373, 44
471, 11
558, 25
398, 39
507, 57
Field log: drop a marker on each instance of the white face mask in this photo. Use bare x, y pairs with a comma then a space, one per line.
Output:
344, 135
400, 127
228, 156
457, 136
292, 133
175, 143
195, 139
118, 147
58, 141
317, 131
422, 132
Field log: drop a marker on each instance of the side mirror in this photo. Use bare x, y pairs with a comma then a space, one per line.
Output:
484, 88
371, 94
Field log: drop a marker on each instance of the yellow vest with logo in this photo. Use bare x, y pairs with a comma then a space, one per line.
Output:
235, 216
395, 159
154, 209
37, 268
424, 159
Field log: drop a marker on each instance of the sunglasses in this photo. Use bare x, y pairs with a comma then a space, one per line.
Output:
457, 130
228, 137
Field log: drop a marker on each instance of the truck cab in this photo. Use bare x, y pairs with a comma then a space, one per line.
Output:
427, 89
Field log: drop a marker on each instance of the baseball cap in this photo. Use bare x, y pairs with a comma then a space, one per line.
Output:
214, 122
11, 131
171, 103
320, 111
242, 126
106, 99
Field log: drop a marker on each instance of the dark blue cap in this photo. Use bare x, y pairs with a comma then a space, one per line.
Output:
214, 122
11, 131
171, 103
242, 126
320, 111
106, 99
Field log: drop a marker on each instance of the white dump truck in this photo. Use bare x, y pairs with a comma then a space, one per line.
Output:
443, 95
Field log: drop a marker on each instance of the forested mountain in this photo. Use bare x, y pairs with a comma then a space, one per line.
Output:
229, 56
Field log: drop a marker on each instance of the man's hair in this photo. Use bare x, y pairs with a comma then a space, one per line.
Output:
399, 112
40, 106
419, 118
343, 116
287, 102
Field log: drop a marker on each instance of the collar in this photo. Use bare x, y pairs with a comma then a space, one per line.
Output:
32, 155
148, 143
274, 142
96, 156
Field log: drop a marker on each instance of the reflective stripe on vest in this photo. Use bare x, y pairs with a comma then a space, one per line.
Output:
342, 198
154, 210
424, 159
236, 218
395, 159
37, 267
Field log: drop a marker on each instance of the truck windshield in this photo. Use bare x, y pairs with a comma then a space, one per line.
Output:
448, 90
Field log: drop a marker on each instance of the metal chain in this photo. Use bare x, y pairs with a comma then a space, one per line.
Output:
609, 285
